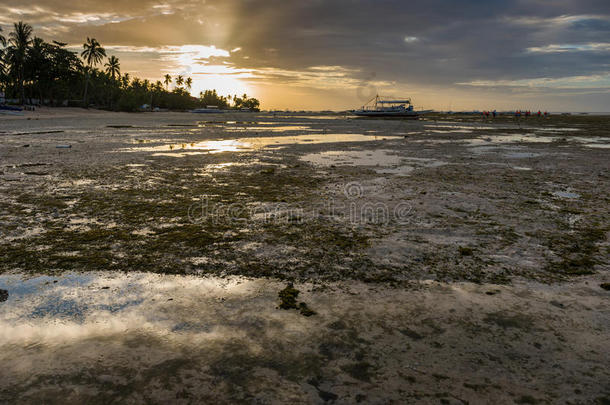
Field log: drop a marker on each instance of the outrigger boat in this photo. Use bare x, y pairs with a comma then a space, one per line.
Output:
388, 108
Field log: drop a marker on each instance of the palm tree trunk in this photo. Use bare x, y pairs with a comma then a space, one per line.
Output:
22, 84
85, 104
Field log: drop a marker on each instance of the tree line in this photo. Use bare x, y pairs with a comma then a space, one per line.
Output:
35, 71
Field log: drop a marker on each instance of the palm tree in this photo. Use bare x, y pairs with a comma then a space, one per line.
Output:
167, 80
93, 54
2, 45
189, 83
113, 67
38, 66
179, 81
126, 80
20, 40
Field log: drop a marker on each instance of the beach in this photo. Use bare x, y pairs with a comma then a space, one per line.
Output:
454, 259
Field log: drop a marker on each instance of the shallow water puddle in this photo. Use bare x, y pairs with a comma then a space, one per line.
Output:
591, 141
386, 160
516, 138
252, 143
286, 128
566, 194
556, 129
598, 145
508, 152
56, 310
412, 164
448, 131
378, 157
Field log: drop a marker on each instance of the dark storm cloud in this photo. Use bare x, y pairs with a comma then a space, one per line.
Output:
453, 40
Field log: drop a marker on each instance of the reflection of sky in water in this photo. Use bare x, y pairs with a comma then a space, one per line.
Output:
252, 143
127, 323
385, 161
52, 310
68, 297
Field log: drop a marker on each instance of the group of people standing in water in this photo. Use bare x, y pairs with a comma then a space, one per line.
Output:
517, 113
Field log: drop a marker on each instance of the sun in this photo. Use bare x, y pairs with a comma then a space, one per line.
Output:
209, 69
225, 84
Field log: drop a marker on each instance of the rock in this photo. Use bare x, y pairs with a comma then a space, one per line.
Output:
305, 310
288, 297
605, 286
465, 251
3, 295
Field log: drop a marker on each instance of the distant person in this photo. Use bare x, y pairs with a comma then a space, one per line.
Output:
494, 113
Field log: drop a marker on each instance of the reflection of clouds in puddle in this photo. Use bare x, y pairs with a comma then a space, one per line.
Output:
517, 138
468, 128
320, 117
591, 141
251, 143
274, 129
566, 194
81, 306
449, 131
556, 129
415, 163
514, 152
378, 157
598, 145
386, 160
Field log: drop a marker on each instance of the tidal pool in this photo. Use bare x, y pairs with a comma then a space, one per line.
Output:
252, 143
385, 161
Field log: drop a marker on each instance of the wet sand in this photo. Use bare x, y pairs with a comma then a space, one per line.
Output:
449, 260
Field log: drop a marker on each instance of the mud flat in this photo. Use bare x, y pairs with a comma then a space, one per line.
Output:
448, 260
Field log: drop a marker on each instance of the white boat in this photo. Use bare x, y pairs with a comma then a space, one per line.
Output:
388, 108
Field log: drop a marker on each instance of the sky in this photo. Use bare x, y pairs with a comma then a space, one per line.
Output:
337, 54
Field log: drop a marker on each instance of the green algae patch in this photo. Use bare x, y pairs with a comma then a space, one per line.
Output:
578, 251
288, 297
288, 300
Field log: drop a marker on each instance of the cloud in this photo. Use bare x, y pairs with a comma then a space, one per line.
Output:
601, 81
595, 47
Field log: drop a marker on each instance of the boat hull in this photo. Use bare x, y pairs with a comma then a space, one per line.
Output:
397, 114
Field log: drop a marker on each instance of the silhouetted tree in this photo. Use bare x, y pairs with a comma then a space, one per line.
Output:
31, 67
19, 43
113, 67
93, 54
